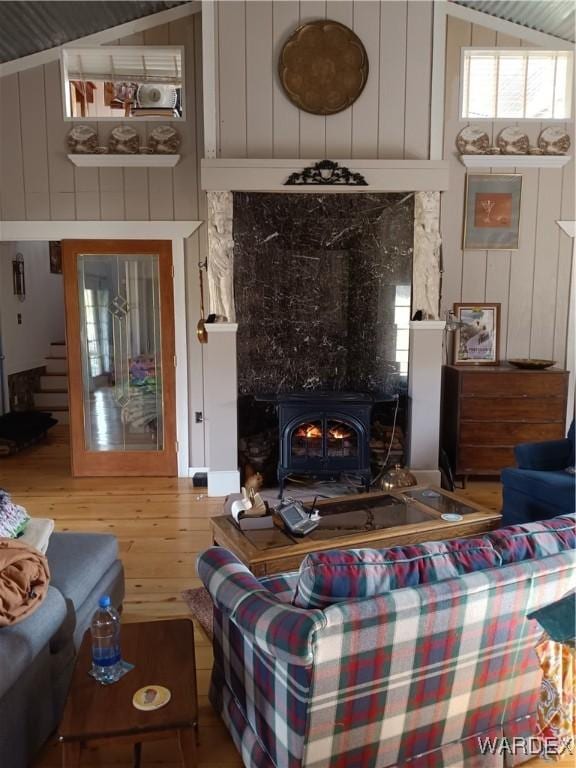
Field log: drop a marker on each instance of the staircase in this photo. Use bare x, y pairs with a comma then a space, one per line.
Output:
52, 397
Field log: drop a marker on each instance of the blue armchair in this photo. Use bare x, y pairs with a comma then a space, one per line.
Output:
540, 486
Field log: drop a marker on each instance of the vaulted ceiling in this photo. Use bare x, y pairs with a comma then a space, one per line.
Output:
29, 27
554, 17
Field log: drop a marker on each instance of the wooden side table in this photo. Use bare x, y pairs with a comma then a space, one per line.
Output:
96, 715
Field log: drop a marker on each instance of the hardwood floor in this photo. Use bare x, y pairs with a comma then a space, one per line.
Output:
161, 525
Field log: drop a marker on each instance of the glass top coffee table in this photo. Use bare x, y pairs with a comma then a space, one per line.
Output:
406, 516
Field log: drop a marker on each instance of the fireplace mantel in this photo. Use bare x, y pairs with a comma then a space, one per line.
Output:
242, 175
425, 179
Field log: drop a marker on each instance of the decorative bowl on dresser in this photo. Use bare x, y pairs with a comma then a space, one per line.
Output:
531, 363
487, 411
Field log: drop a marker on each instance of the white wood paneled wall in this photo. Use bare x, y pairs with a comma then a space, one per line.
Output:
532, 283
391, 119
40, 183
37, 181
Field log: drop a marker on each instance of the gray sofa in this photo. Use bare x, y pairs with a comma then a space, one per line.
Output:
37, 655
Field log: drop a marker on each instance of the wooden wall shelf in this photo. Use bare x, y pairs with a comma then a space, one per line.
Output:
124, 161
514, 161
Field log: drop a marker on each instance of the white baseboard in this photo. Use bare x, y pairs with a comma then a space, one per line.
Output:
427, 476
222, 482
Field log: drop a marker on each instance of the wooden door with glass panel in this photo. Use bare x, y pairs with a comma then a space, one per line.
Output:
120, 335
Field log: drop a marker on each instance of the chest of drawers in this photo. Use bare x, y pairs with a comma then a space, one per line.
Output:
487, 411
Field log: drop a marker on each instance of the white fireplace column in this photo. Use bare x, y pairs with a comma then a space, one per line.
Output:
424, 398
426, 349
220, 367
221, 409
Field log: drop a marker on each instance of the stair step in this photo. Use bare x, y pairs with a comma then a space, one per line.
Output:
58, 412
49, 400
58, 349
56, 366
52, 408
51, 382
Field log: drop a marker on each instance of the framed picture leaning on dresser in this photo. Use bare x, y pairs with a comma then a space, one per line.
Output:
477, 336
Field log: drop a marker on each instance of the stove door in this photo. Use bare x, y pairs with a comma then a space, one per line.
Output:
307, 441
342, 439
324, 442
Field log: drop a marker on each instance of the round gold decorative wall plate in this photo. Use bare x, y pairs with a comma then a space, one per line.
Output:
323, 67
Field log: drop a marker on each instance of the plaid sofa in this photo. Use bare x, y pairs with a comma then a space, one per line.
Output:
441, 674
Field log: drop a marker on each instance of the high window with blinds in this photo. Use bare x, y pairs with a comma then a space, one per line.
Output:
516, 84
122, 81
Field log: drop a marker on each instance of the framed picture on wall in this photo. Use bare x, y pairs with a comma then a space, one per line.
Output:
492, 211
477, 339
55, 249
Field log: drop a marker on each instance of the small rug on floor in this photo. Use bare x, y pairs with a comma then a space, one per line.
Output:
200, 604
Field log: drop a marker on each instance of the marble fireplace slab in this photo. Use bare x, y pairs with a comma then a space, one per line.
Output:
317, 279
426, 243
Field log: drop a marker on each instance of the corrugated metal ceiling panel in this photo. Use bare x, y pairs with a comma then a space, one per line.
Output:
29, 27
554, 17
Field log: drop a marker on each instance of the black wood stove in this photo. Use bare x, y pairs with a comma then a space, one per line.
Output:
323, 434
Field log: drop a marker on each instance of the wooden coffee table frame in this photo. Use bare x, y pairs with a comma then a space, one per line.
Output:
288, 558
96, 715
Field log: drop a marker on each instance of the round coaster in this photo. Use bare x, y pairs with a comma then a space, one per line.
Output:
451, 517
151, 697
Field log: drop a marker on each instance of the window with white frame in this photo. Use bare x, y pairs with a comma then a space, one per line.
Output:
123, 81
402, 323
516, 84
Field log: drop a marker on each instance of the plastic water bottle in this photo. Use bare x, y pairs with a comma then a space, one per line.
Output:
105, 629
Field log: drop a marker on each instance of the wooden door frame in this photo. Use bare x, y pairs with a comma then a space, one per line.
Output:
87, 462
176, 232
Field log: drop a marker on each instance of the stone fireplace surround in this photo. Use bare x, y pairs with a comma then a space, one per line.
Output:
220, 178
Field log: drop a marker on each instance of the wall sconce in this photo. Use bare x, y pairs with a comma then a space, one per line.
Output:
452, 322
18, 280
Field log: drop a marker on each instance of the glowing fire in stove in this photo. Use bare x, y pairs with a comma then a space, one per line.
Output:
314, 432
309, 431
